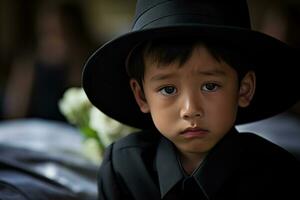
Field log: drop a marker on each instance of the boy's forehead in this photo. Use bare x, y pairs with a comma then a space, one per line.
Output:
199, 54
200, 62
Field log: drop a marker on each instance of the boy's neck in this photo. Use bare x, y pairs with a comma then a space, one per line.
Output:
191, 161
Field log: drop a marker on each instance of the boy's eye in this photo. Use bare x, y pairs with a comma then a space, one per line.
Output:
210, 87
168, 90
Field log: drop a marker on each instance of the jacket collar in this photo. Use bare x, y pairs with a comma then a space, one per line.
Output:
212, 173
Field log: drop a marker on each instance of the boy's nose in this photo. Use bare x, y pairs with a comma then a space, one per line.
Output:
191, 108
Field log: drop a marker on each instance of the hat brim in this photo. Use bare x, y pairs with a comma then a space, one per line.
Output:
106, 82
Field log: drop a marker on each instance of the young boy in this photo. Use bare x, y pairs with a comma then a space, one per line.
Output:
186, 74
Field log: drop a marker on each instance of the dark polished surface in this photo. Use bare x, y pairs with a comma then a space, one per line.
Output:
48, 155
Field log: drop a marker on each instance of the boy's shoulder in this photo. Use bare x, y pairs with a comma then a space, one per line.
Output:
257, 142
123, 160
263, 149
139, 145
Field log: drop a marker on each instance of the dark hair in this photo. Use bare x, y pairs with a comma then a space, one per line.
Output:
169, 50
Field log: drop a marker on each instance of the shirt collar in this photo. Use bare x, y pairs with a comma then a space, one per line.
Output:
167, 165
211, 174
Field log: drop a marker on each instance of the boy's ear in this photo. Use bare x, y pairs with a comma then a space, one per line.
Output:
247, 89
139, 96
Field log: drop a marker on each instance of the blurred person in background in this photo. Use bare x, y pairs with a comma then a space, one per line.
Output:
40, 75
35, 163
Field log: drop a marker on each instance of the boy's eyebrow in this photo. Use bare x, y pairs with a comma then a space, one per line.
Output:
160, 77
210, 72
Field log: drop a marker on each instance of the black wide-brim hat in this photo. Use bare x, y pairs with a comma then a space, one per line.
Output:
106, 82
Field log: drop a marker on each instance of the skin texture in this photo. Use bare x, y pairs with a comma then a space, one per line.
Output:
193, 105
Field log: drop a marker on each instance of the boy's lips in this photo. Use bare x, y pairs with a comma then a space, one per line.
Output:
194, 132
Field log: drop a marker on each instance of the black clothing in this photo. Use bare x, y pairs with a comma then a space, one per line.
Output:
244, 166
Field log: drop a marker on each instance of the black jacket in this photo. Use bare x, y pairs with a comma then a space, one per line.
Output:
242, 166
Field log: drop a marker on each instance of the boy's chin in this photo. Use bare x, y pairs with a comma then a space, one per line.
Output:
195, 146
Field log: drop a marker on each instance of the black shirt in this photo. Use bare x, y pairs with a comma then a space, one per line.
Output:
244, 166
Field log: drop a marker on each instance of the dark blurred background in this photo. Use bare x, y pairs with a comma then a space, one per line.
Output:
43, 47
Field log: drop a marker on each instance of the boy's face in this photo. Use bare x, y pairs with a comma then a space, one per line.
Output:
193, 105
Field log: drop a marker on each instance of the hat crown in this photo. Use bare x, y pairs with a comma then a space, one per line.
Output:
161, 13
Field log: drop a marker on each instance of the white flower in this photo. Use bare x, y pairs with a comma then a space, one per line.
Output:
107, 128
92, 151
96, 124
98, 129
74, 104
